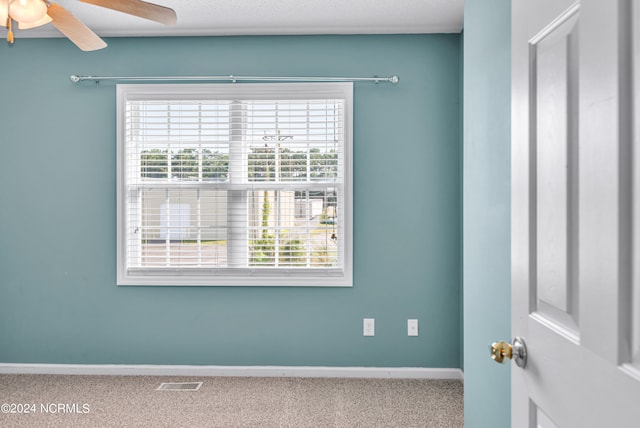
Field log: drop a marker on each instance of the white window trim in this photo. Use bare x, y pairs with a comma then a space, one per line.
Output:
339, 277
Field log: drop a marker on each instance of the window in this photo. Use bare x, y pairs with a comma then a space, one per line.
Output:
235, 184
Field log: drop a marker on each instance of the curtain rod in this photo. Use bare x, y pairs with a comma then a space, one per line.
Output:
234, 79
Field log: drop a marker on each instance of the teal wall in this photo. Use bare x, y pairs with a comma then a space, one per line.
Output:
486, 212
58, 299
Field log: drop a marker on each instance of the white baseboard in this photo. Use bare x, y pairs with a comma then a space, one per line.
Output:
239, 371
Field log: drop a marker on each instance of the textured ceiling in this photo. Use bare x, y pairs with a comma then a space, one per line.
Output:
255, 17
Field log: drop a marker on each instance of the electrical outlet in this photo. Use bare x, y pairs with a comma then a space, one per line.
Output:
368, 327
412, 327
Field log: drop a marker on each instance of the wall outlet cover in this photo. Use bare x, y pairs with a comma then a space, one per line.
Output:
369, 327
412, 327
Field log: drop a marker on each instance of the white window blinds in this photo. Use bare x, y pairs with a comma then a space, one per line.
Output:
225, 184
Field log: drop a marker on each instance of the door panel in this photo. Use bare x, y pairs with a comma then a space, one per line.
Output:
553, 75
575, 241
542, 420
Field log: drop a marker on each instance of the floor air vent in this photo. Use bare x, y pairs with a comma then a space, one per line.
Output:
179, 386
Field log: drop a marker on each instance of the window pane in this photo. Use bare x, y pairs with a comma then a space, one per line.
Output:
179, 140
294, 140
183, 228
293, 229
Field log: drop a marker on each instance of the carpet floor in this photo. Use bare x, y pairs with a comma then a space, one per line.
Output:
135, 401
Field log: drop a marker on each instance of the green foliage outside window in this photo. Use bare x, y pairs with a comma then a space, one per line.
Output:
185, 164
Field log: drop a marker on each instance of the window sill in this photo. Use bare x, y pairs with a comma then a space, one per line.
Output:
236, 277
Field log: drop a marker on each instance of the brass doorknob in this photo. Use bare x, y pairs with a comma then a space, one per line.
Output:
517, 351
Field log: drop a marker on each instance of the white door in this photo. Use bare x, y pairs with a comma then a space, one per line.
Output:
576, 213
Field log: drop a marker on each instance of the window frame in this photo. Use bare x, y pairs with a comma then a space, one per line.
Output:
249, 276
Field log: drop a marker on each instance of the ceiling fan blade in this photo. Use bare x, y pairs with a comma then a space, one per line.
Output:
153, 12
75, 30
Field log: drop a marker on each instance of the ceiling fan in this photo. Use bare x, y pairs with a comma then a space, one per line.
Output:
34, 13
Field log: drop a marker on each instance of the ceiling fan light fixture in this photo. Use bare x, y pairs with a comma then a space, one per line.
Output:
4, 10
45, 20
27, 11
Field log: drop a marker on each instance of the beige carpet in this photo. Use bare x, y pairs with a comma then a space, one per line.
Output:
134, 401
